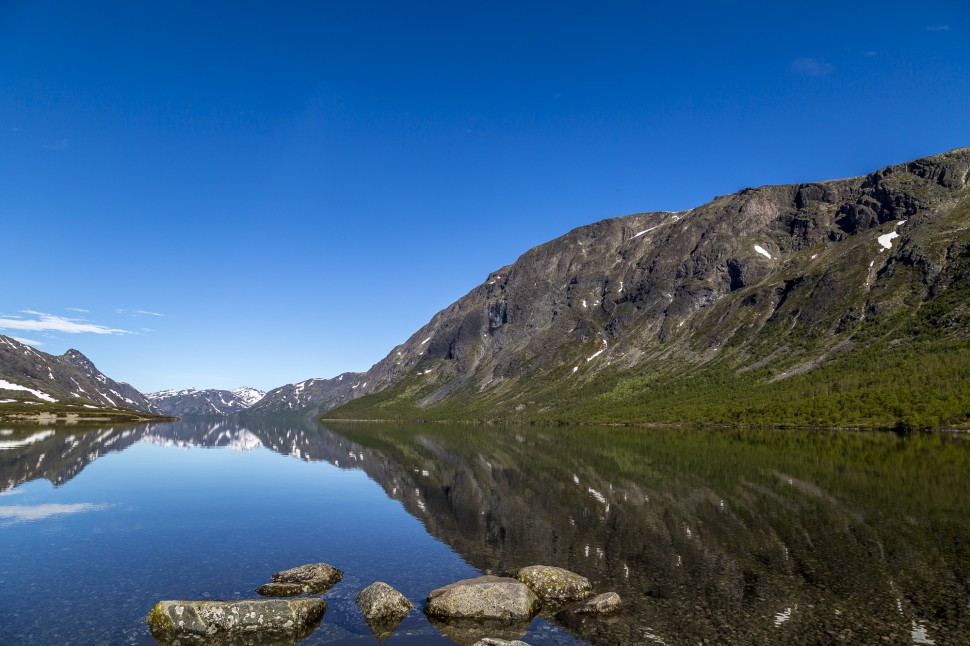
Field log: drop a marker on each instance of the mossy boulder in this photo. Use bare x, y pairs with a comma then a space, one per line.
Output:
253, 621
554, 584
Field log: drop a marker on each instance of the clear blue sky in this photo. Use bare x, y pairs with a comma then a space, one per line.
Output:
258, 193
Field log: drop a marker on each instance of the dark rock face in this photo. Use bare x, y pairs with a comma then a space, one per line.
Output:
313, 578
483, 598
553, 584
70, 378
235, 622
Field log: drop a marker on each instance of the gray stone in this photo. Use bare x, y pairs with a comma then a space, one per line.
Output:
315, 578
280, 589
495, 641
234, 622
555, 584
485, 597
381, 601
602, 604
383, 608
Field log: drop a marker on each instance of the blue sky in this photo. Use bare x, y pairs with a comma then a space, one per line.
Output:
218, 194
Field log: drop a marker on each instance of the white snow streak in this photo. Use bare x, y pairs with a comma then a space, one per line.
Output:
762, 251
6, 385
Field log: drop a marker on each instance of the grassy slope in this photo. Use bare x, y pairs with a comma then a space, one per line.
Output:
18, 411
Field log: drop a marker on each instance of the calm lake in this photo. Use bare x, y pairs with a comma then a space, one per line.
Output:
718, 536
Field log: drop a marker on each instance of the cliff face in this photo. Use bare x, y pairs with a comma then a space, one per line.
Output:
772, 281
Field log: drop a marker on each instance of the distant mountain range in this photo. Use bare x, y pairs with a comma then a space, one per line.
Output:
191, 402
28, 375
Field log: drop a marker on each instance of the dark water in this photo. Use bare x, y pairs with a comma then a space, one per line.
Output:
751, 537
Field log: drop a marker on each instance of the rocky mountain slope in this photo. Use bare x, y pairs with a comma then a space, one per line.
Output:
312, 396
205, 402
29, 375
844, 301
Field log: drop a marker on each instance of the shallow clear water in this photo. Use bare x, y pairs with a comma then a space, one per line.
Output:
734, 537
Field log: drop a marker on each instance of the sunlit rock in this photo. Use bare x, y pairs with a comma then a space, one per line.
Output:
383, 608
254, 621
553, 584
485, 597
313, 578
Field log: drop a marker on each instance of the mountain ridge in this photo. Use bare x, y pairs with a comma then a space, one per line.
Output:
29, 376
759, 286
207, 402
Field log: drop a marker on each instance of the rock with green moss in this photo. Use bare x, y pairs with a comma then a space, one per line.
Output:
554, 584
485, 597
251, 621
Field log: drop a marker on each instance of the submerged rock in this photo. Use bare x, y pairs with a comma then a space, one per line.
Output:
485, 597
555, 584
607, 603
471, 631
280, 589
383, 608
253, 621
313, 578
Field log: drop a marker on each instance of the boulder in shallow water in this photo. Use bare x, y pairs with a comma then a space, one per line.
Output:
485, 597
607, 603
383, 608
381, 601
252, 621
495, 641
555, 584
314, 578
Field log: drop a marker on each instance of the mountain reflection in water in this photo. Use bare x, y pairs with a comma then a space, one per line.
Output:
753, 536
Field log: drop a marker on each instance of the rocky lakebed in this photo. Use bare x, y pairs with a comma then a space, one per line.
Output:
484, 611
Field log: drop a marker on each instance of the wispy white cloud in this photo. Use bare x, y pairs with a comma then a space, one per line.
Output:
44, 321
77, 309
811, 67
21, 339
57, 145
137, 312
24, 513
938, 28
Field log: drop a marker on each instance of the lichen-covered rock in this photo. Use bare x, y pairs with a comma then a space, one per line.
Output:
280, 589
495, 641
383, 608
555, 584
193, 622
485, 597
602, 604
381, 601
315, 578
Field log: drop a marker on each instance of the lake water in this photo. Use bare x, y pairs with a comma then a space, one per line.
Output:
746, 537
